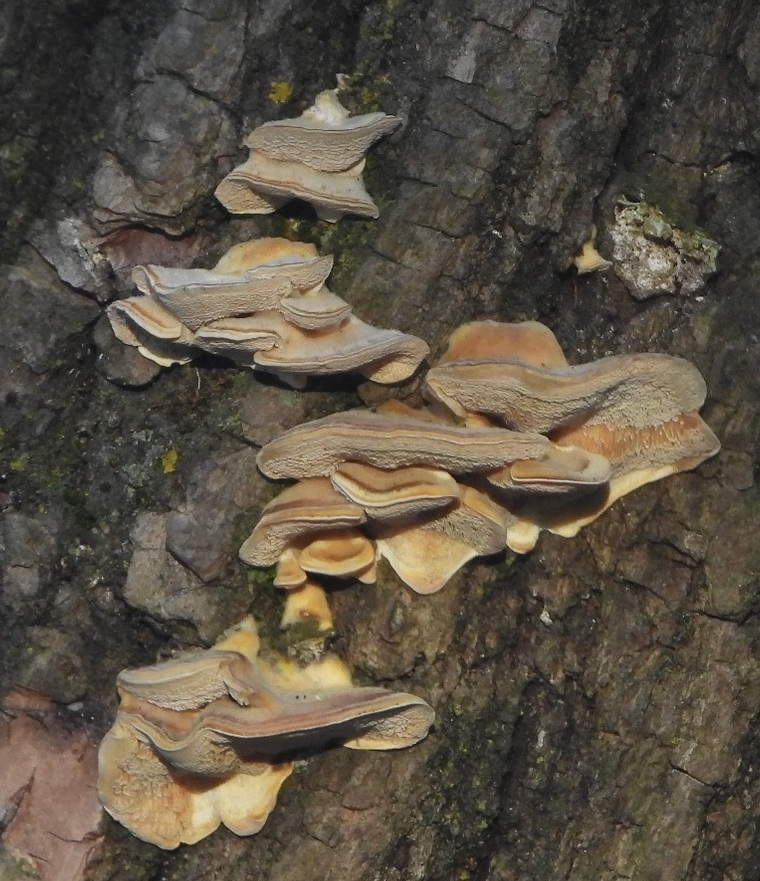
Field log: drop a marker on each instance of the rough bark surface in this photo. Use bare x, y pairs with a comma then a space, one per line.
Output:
597, 700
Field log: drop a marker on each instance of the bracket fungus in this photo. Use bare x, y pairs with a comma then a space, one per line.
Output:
413, 487
639, 411
206, 738
157, 334
308, 507
516, 440
350, 345
396, 494
426, 554
588, 259
264, 305
307, 603
317, 157
513, 440
388, 440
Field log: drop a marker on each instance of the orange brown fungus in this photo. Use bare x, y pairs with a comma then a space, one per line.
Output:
264, 305
317, 157
198, 740
517, 441
490, 339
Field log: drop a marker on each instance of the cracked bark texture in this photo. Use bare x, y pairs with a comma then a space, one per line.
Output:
597, 700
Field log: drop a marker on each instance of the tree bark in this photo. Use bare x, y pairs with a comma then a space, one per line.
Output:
596, 699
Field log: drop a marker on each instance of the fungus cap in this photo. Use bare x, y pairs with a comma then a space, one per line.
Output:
190, 681
173, 775
270, 183
293, 708
316, 311
588, 259
305, 719
237, 338
518, 374
144, 323
379, 354
307, 604
324, 137
639, 412
339, 553
398, 493
235, 193
636, 412
166, 807
265, 251
648, 453
564, 469
528, 341
255, 276
427, 555
289, 575
198, 296
387, 440
309, 506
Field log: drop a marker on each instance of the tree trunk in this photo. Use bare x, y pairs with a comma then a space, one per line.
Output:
596, 699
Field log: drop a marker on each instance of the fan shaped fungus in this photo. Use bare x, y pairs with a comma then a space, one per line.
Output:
387, 440
196, 740
517, 441
318, 157
639, 412
395, 467
264, 305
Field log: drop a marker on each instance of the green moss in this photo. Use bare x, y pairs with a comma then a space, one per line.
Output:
371, 95
677, 209
267, 600
696, 240
344, 241
73, 495
369, 82
304, 632
19, 463
386, 26
260, 579
18, 150
15, 868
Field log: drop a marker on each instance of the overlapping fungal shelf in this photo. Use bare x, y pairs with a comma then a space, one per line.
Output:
515, 440
317, 157
512, 440
196, 740
640, 412
264, 305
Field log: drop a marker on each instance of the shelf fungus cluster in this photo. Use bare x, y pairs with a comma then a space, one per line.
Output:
264, 305
209, 737
317, 157
514, 440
